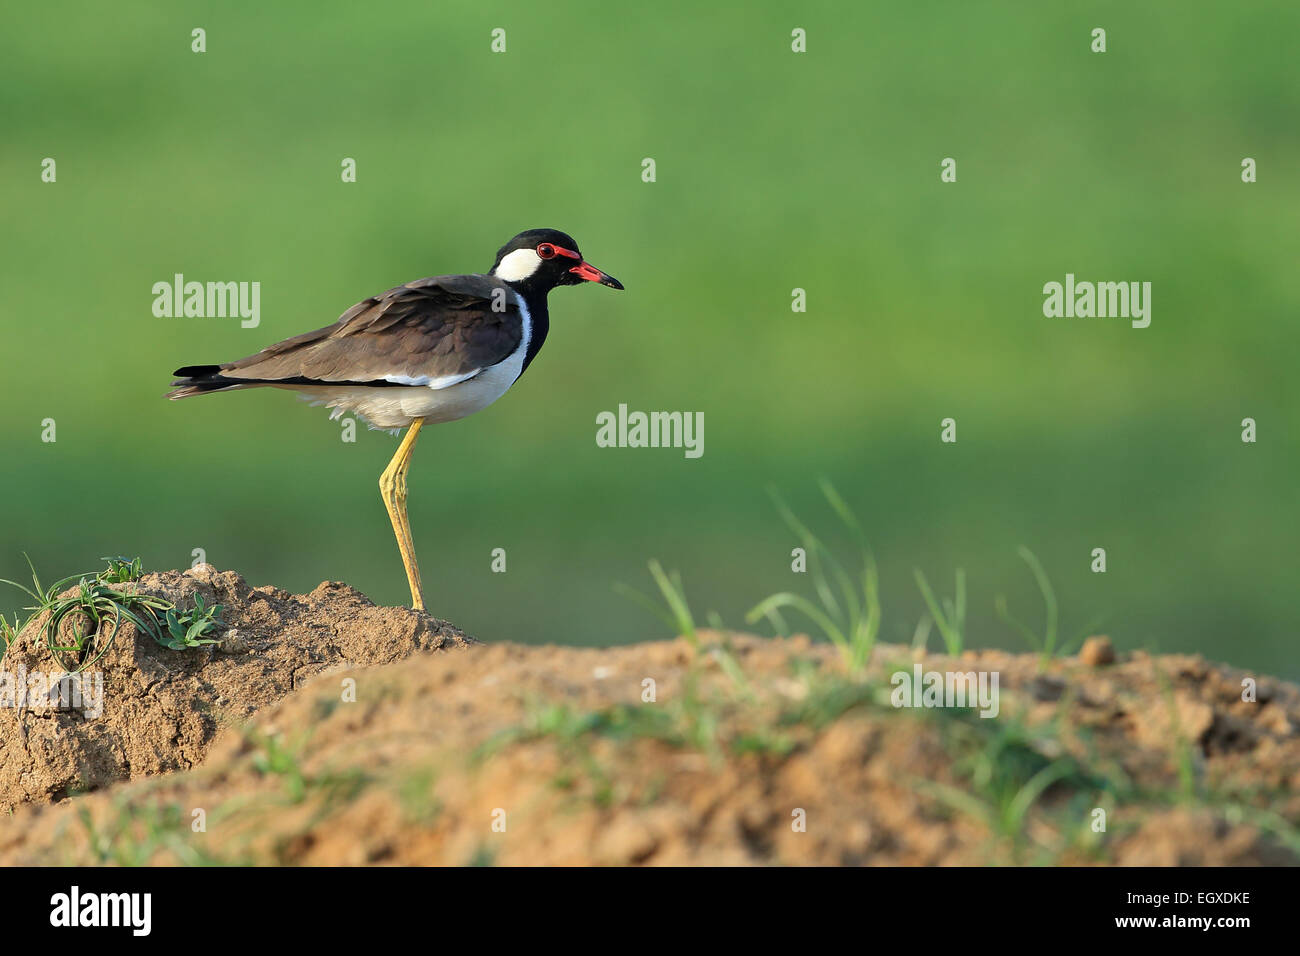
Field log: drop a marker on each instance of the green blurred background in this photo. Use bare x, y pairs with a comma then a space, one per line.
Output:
775, 170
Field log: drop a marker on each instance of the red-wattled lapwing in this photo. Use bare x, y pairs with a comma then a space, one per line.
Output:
433, 350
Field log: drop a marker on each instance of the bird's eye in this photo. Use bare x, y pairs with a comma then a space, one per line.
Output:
546, 250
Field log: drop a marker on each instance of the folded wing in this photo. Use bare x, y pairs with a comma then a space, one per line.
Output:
432, 332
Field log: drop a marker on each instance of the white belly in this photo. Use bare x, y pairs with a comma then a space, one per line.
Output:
396, 406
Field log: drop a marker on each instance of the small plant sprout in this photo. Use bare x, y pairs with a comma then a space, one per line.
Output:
8, 633
951, 617
1181, 747
1005, 770
1047, 645
678, 613
121, 570
274, 758
921, 636
679, 618
851, 620
187, 628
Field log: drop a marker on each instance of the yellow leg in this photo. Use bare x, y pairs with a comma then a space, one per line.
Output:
392, 488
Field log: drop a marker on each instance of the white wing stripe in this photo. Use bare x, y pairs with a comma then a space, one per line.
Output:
440, 382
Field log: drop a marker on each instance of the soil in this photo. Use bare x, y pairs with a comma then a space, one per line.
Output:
163, 708
325, 730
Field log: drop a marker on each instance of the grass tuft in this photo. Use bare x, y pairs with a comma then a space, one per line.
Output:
96, 611
950, 617
1046, 646
849, 609
678, 613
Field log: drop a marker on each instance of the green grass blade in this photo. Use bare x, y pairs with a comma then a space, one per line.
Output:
1049, 597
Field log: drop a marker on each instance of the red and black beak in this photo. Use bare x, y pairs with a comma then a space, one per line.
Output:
584, 270
589, 272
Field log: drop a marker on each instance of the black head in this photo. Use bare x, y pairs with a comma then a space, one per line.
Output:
540, 259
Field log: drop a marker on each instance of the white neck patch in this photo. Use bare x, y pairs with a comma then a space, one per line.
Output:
518, 265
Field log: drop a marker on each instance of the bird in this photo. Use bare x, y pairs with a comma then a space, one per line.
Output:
431, 351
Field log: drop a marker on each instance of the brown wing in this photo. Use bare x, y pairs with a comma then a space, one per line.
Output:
443, 328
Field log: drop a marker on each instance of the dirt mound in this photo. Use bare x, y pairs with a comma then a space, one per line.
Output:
736, 750
161, 709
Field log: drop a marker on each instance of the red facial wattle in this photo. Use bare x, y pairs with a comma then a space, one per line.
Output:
585, 270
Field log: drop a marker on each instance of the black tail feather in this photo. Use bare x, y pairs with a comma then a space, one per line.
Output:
197, 371
199, 379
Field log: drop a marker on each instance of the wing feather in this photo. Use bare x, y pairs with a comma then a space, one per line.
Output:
442, 330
